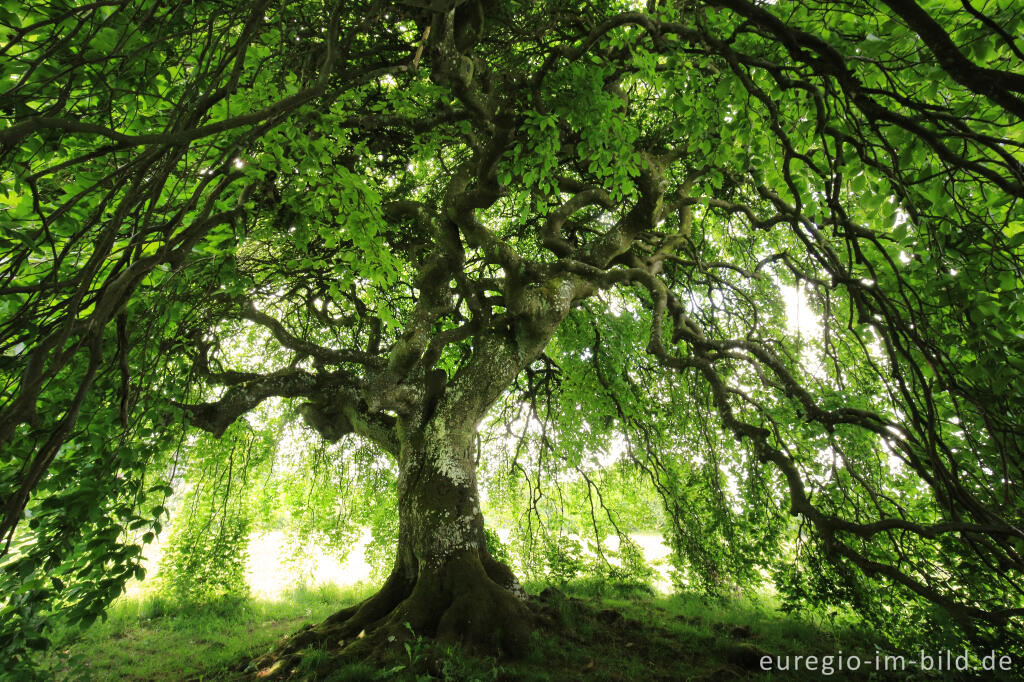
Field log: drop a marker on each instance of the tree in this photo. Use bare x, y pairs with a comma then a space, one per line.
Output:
437, 211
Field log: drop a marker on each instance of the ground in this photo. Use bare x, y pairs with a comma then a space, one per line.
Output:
595, 632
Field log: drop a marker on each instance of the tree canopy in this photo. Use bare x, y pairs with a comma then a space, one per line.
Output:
547, 245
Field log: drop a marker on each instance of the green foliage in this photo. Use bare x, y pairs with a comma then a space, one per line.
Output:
276, 223
427, 660
207, 552
383, 523
563, 557
357, 672
496, 548
633, 567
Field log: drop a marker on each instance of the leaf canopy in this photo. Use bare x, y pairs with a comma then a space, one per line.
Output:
214, 209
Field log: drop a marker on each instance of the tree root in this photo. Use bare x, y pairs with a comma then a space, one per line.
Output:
471, 600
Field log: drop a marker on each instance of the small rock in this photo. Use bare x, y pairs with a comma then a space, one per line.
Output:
551, 594
746, 656
741, 632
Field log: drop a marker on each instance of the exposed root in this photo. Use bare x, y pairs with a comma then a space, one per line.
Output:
468, 601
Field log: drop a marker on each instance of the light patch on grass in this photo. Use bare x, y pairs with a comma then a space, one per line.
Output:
269, 577
148, 637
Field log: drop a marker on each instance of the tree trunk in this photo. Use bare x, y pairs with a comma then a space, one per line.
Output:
444, 584
458, 592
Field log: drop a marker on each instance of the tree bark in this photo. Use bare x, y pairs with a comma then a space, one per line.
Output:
444, 584
457, 591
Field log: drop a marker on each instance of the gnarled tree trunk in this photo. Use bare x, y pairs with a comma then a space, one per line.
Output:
444, 584
456, 590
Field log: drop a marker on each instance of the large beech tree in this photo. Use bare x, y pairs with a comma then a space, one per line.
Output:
433, 212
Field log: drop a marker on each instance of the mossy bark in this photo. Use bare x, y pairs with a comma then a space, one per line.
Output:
459, 592
444, 584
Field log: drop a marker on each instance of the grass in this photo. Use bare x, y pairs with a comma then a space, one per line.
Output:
623, 633
597, 632
150, 638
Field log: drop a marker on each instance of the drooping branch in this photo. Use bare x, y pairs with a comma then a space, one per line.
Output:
243, 396
1003, 87
327, 356
827, 62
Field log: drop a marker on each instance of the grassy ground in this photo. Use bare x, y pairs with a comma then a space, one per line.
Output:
627, 634
600, 632
149, 638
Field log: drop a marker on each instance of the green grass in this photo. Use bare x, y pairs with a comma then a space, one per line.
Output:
625, 633
597, 631
151, 638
